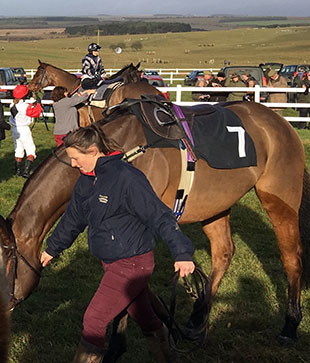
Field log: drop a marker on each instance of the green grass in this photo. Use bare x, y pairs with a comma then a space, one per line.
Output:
246, 317
173, 50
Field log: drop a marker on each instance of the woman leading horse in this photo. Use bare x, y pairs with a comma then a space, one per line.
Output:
279, 179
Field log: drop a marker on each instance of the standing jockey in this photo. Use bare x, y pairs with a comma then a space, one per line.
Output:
92, 69
20, 119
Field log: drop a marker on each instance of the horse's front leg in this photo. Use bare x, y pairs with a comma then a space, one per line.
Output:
222, 248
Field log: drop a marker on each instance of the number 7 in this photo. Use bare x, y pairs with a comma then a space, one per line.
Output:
241, 139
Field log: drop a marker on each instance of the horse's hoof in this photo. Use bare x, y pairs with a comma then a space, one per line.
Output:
285, 341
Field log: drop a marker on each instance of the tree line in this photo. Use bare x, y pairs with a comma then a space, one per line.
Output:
130, 27
238, 19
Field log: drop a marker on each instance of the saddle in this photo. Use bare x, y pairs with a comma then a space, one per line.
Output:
103, 94
159, 115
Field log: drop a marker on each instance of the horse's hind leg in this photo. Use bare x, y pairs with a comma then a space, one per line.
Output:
285, 221
222, 248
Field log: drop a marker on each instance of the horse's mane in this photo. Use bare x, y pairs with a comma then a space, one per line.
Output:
22, 195
43, 66
4, 318
130, 73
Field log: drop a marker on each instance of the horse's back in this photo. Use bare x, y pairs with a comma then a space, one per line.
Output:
279, 170
280, 153
132, 90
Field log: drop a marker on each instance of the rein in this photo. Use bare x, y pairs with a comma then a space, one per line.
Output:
74, 89
195, 329
58, 158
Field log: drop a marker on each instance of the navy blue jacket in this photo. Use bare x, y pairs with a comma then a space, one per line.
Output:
122, 212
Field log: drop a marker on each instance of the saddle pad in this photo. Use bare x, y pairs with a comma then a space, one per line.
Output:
221, 140
105, 90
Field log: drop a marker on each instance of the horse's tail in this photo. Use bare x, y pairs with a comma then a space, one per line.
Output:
304, 227
4, 315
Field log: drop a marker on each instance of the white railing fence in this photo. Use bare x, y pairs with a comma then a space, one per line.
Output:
179, 89
169, 75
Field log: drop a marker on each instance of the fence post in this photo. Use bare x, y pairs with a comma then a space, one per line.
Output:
257, 93
171, 77
178, 97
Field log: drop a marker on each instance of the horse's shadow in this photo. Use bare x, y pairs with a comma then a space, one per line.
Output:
259, 237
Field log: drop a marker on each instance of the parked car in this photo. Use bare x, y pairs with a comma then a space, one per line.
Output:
191, 79
293, 72
271, 65
256, 72
20, 74
154, 78
7, 78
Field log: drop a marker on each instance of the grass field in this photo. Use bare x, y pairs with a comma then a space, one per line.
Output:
173, 50
246, 317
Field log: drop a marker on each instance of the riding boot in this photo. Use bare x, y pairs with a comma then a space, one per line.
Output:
158, 345
88, 353
18, 168
26, 173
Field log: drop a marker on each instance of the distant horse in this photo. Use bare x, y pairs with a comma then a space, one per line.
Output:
48, 75
280, 181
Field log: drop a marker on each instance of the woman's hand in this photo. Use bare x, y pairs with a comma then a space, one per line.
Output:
45, 259
184, 267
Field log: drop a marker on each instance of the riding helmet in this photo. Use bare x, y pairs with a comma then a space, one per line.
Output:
93, 47
20, 91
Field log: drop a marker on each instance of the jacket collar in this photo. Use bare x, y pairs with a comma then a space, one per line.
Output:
101, 162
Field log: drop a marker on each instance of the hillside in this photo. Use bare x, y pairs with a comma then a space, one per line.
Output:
172, 50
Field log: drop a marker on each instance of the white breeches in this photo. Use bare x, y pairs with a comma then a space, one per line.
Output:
23, 141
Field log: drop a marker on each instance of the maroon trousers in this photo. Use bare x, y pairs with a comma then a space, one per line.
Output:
123, 286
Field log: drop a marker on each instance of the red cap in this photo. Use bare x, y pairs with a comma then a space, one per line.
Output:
20, 91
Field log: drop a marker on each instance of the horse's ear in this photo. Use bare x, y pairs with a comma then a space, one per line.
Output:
39, 61
138, 65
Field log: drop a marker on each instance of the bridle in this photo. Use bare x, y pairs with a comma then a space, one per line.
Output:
13, 269
43, 75
195, 329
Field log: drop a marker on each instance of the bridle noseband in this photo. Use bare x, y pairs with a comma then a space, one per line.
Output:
15, 255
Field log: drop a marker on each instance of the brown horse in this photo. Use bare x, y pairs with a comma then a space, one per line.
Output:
4, 298
48, 75
280, 181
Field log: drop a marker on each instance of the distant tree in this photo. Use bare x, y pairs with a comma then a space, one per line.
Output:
136, 46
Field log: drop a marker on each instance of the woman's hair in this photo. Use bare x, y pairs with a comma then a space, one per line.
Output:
84, 137
58, 93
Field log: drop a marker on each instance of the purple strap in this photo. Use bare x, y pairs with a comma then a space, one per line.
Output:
181, 116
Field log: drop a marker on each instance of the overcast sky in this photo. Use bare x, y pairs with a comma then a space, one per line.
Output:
144, 7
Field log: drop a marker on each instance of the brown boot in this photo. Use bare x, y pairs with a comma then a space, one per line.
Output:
88, 353
158, 345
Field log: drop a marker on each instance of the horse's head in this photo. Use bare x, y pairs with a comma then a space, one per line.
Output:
129, 73
41, 78
132, 74
22, 277
48, 75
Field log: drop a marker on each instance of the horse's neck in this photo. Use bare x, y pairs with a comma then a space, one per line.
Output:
42, 201
64, 79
